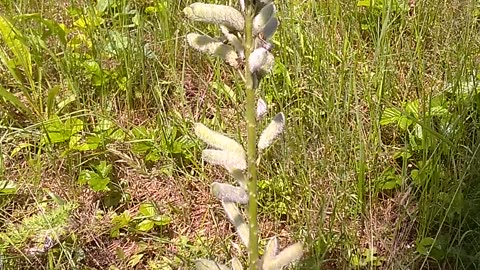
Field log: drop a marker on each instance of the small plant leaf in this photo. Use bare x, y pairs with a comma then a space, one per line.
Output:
272, 131
229, 193
236, 265
217, 140
214, 47
229, 160
235, 217
217, 14
262, 18
203, 264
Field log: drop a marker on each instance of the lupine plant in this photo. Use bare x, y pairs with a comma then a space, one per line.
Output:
244, 45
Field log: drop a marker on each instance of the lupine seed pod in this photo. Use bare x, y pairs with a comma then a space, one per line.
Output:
229, 160
261, 108
217, 14
257, 59
234, 40
288, 255
272, 131
229, 193
259, 4
267, 65
270, 28
262, 18
203, 264
235, 217
214, 47
240, 177
217, 140
242, 5
236, 265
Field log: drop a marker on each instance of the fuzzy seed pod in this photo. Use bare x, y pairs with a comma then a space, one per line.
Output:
272, 131
217, 14
214, 47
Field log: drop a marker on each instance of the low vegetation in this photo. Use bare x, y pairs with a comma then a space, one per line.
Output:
377, 166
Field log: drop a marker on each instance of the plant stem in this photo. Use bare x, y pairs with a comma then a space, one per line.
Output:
251, 141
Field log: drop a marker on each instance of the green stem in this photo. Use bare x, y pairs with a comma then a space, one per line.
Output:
251, 141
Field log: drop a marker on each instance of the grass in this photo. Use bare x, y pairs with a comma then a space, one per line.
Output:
378, 167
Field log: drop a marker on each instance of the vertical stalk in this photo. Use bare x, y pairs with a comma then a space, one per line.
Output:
251, 139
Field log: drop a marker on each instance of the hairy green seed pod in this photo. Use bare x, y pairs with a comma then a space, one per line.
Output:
272, 131
214, 47
217, 14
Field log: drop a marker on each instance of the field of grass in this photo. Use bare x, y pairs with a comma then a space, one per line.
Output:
378, 167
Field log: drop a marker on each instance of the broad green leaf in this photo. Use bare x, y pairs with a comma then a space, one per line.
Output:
390, 116
424, 245
272, 131
438, 111
103, 125
104, 168
145, 225
73, 125
94, 180
116, 134
412, 108
147, 210
162, 220
135, 259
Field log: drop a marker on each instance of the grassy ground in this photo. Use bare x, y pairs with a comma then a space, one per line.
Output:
378, 168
